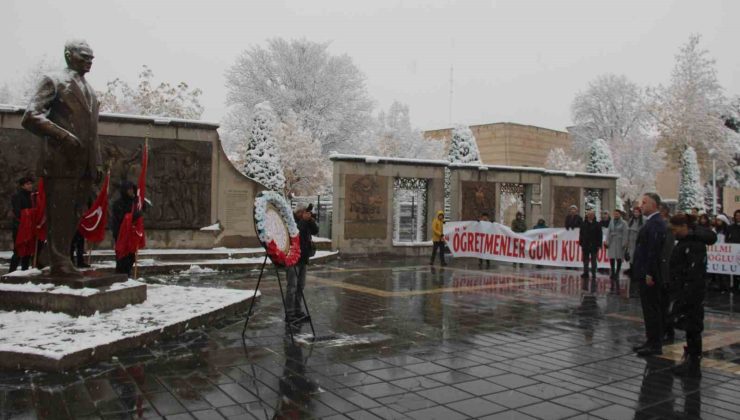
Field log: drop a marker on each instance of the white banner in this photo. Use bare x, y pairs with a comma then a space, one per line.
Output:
555, 247
723, 259
493, 241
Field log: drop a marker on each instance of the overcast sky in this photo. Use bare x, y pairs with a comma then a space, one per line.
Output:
519, 61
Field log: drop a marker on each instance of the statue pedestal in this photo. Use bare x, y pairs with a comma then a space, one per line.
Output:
82, 296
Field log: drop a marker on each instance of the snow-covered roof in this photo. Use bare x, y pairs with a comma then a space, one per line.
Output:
385, 159
572, 173
479, 166
484, 167
111, 116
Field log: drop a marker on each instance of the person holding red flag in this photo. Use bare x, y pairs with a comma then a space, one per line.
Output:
122, 216
92, 225
22, 205
128, 223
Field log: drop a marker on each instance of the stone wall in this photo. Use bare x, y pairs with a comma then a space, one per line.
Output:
190, 181
512, 144
363, 197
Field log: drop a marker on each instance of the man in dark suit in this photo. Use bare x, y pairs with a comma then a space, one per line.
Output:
64, 113
646, 271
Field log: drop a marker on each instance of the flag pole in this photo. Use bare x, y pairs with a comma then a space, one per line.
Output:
35, 252
136, 264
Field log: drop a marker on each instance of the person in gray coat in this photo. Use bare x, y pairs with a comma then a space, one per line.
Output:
633, 228
616, 243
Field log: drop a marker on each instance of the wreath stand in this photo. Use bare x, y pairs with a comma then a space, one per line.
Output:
292, 323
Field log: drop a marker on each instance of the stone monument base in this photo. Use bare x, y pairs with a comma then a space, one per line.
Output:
54, 299
90, 278
82, 296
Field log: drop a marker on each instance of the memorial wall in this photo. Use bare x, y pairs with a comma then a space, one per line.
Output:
190, 182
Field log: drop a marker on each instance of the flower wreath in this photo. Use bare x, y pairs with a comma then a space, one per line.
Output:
276, 228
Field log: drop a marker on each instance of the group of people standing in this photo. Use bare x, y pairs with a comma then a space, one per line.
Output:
25, 198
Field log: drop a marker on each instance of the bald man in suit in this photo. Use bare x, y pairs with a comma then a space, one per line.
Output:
64, 113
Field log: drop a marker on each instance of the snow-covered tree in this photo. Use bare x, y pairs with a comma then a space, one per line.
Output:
262, 162
463, 149
612, 108
600, 158
19, 92
689, 111
599, 162
326, 92
690, 190
638, 162
150, 98
396, 138
560, 160
306, 170
463, 146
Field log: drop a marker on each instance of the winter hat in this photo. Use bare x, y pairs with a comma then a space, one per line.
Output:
723, 218
573, 207
25, 179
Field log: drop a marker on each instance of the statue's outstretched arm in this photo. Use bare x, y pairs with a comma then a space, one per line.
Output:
35, 119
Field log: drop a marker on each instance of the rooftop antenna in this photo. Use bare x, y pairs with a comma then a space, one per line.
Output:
452, 80
452, 70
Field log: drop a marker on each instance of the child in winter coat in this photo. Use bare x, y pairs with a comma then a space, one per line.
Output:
688, 266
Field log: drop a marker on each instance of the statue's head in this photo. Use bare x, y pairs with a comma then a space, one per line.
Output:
79, 56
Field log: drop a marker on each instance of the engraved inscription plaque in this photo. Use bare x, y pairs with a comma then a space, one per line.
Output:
563, 198
366, 207
477, 198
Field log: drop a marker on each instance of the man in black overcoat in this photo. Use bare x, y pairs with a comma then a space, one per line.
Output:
646, 272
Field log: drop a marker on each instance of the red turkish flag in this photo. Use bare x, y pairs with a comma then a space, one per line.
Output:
93, 222
32, 226
131, 235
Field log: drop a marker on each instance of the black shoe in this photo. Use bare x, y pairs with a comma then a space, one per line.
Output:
83, 265
669, 337
690, 366
639, 347
650, 351
584, 276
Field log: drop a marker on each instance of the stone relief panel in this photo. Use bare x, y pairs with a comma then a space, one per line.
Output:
19, 157
477, 198
563, 198
366, 207
178, 180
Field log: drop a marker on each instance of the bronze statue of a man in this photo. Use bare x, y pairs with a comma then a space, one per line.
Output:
64, 113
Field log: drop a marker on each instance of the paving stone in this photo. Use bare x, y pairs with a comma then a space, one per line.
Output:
519, 353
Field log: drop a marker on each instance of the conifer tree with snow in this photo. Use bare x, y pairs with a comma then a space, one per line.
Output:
262, 162
599, 162
463, 149
690, 190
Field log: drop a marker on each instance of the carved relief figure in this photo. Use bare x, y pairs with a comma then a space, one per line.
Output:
365, 200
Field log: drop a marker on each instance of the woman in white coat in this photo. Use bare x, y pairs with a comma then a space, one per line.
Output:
616, 244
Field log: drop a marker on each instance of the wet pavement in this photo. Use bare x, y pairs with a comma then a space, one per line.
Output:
401, 339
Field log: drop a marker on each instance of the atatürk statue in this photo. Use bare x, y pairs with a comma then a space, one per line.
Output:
64, 113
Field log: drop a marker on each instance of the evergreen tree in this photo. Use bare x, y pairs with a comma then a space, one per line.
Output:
599, 162
262, 162
463, 149
690, 191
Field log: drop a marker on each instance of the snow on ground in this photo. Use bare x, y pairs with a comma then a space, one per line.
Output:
319, 239
214, 227
224, 261
196, 269
55, 335
31, 272
62, 290
415, 243
339, 340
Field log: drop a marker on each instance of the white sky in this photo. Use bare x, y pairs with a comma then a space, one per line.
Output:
519, 61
